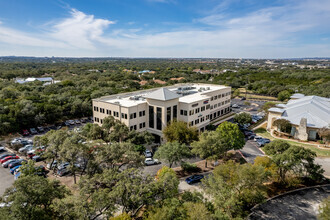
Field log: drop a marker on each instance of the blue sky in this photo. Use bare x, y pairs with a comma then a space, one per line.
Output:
165, 28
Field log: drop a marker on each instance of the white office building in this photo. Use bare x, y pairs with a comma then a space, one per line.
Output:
151, 110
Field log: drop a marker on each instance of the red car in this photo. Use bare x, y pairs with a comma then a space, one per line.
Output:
8, 158
25, 132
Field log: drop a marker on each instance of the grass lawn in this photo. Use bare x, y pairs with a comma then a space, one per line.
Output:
319, 152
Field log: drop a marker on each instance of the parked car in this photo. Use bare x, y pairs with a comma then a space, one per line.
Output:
151, 161
8, 158
5, 164
148, 154
40, 129
71, 122
26, 142
194, 179
12, 170
63, 172
77, 121
67, 123
25, 149
37, 158
16, 163
30, 153
235, 106
33, 131
2, 148
25, 132
257, 138
251, 137
63, 165
15, 141
51, 166
6, 155
260, 142
266, 140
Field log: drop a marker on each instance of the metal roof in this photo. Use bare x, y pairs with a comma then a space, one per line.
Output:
162, 94
314, 108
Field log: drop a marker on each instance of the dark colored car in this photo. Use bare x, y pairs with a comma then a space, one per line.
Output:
16, 163
8, 158
33, 131
25, 132
266, 141
40, 129
6, 155
5, 164
194, 179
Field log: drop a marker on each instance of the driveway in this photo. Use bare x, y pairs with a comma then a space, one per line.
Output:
7, 179
250, 151
325, 163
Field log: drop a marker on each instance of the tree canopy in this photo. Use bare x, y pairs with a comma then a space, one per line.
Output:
180, 132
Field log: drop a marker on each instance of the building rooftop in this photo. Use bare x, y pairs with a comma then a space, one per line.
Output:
314, 108
162, 94
186, 92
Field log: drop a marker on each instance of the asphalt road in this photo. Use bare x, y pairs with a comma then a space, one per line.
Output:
7, 179
250, 151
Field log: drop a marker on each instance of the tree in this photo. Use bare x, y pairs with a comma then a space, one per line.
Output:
293, 159
268, 165
231, 136
324, 133
236, 93
173, 152
283, 95
180, 132
71, 151
283, 124
32, 197
209, 146
267, 106
236, 188
243, 118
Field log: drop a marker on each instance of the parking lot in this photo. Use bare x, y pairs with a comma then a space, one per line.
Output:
253, 108
7, 179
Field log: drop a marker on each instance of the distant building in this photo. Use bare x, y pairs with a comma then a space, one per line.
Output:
306, 113
46, 80
151, 110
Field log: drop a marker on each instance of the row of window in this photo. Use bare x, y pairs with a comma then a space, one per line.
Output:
116, 114
211, 116
220, 96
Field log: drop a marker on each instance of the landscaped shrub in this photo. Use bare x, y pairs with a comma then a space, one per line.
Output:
189, 167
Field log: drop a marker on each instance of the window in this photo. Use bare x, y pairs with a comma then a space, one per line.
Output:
196, 121
181, 112
223, 95
196, 110
219, 96
102, 110
101, 121
208, 106
215, 106
108, 112
194, 105
202, 108
159, 118
214, 115
96, 108
168, 114
133, 115
191, 123
215, 97
185, 113
151, 117
212, 98
207, 117
141, 125
175, 112
142, 113
115, 114
191, 112
202, 119
135, 127
218, 113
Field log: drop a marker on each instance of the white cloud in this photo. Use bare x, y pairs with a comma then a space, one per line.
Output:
265, 33
80, 30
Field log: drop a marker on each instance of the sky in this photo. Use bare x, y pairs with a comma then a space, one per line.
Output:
165, 28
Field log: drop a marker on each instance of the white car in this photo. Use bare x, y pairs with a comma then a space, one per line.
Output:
16, 141
2, 148
150, 161
234, 106
147, 154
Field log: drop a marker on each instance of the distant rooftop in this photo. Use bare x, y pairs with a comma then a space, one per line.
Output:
186, 92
